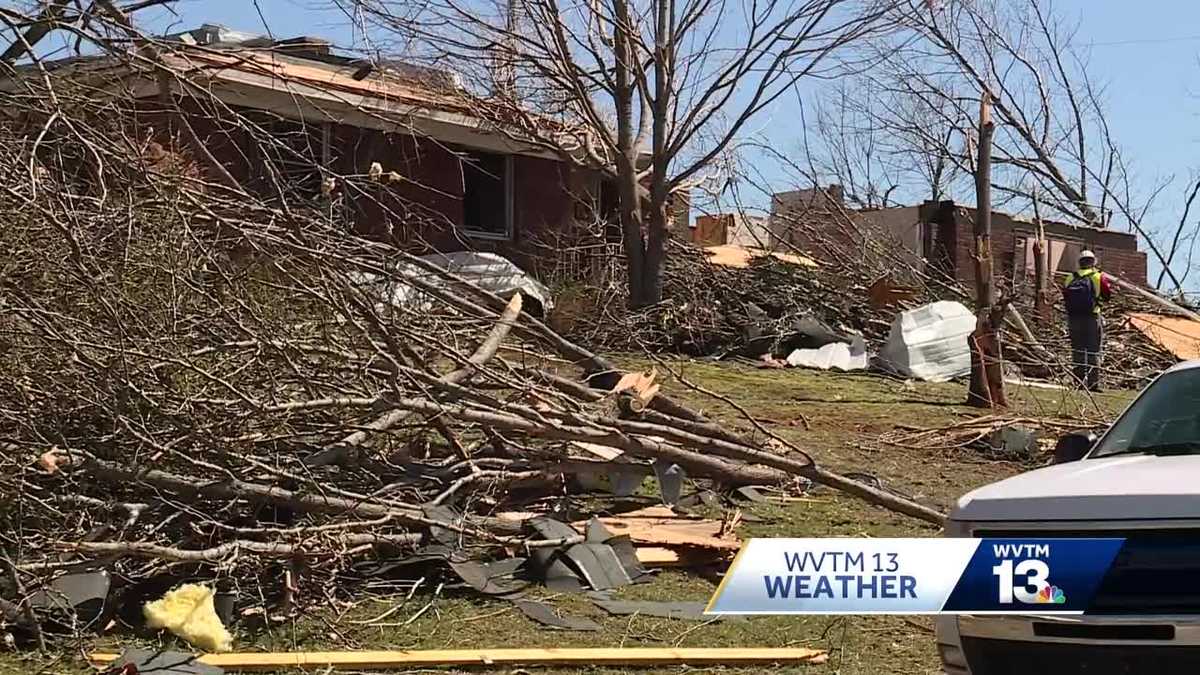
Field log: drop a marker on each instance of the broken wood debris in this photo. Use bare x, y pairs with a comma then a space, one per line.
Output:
1004, 437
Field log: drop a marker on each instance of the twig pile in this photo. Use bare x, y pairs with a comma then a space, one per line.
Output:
713, 310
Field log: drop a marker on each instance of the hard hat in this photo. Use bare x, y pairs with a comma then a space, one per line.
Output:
1087, 255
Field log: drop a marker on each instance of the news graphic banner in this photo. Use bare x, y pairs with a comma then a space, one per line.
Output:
914, 576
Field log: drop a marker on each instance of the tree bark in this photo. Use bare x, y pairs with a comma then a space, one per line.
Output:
987, 368
660, 110
627, 180
656, 253
1041, 289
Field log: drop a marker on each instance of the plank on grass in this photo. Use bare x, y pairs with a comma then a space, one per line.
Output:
641, 656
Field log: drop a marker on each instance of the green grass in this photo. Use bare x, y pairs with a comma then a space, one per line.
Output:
845, 416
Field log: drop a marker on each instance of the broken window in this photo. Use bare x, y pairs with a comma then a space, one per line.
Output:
487, 195
291, 153
1062, 256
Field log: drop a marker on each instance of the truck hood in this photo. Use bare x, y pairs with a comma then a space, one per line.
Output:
1132, 487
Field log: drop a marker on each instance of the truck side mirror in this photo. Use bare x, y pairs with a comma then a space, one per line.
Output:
1073, 447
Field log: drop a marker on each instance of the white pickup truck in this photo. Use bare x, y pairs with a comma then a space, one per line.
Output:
1139, 480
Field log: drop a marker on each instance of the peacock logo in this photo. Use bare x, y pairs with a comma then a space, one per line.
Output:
1051, 594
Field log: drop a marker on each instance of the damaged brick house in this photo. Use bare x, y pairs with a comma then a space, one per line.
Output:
431, 173
941, 236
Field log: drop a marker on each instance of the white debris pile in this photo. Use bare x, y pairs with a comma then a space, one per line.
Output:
930, 342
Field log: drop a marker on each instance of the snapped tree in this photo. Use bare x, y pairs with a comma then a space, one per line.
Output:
649, 93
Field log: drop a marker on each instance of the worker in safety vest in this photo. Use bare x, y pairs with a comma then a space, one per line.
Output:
1084, 292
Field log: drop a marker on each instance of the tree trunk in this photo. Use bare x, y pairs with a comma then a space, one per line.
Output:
656, 255
631, 234
987, 367
627, 181
660, 109
1041, 289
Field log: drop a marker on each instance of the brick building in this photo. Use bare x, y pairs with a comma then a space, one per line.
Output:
948, 241
940, 235
449, 178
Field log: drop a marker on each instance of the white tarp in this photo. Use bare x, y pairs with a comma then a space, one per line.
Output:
835, 355
930, 343
486, 270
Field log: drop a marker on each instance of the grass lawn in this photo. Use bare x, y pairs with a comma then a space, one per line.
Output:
839, 419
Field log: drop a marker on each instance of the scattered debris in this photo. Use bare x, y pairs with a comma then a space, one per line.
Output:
494, 578
188, 612
689, 557
77, 599
836, 356
730, 255
1178, 335
545, 615
994, 436
1013, 442
661, 526
930, 343
884, 293
489, 271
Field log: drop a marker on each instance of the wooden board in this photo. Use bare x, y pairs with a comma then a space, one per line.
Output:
1175, 334
368, 660
660, 526
671, 532
660, 556
739, 257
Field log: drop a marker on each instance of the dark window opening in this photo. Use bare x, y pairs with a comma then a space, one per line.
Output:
609, 209
291, 153
487, 186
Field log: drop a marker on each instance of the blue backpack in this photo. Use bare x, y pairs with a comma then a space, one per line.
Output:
1079, 296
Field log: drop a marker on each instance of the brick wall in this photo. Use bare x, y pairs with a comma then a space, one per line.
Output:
900, 226
807, 220
424, 210
1117, 251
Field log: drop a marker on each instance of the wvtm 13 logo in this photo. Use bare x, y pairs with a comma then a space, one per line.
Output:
1023, 574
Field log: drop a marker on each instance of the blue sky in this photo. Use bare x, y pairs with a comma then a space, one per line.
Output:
1145, 52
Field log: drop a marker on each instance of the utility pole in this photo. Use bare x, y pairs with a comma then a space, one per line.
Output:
987, 371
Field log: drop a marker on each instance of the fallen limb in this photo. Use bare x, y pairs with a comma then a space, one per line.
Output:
1156, 299
331, 547
481, 356
645, 445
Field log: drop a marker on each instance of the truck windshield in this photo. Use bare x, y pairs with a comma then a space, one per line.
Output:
1165, 419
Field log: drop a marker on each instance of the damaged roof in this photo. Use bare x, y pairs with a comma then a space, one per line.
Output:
301, 78
1178, 335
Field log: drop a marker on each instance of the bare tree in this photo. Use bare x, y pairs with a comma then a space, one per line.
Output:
878, 142
650, 93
